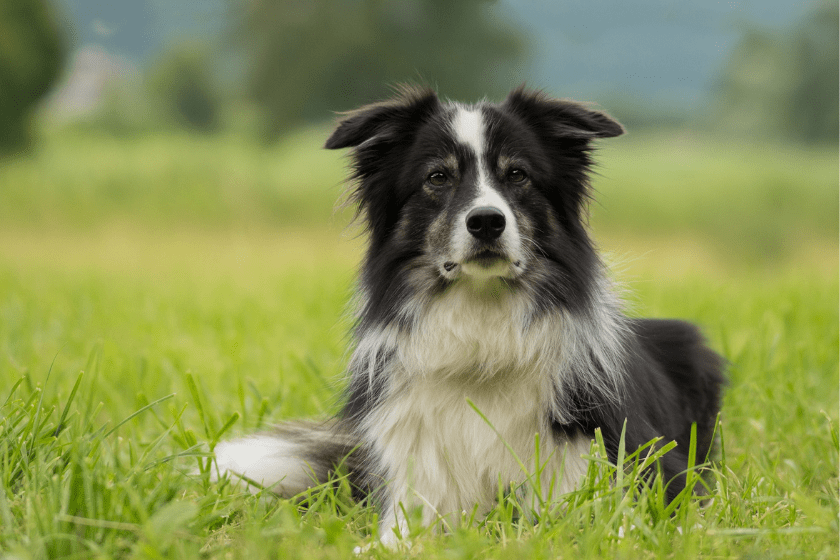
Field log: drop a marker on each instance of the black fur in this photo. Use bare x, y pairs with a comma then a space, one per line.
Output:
673, 381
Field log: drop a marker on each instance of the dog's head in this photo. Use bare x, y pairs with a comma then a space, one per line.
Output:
454, 192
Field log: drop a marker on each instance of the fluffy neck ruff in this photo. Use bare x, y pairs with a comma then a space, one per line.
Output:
493, 334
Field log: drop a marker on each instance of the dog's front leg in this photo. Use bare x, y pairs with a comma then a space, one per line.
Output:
393, 528
403, 503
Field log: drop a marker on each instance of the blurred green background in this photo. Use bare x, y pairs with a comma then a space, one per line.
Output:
135, 134
155, 114
166, 114
153, 126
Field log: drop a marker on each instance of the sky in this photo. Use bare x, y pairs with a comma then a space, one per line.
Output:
664, 51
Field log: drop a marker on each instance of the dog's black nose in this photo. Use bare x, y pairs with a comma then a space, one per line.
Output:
486, 222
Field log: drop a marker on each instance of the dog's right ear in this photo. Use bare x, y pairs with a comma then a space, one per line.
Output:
384, 121
562, 118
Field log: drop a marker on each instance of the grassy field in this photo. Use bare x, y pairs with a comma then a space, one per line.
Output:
158, 293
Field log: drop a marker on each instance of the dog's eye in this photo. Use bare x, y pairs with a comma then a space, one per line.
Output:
437, 178
516, 176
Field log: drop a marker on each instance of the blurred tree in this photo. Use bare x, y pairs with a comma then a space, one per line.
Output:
182, 85
307, 58
812, 106
32, 52
785, 85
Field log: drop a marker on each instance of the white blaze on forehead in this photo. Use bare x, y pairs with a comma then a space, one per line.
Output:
469, 130
468, 126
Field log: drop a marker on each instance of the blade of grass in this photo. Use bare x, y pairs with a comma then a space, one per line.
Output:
137, 413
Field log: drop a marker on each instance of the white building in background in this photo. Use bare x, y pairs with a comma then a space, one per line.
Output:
91, 76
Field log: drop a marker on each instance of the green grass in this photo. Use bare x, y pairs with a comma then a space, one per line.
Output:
262, 339
130, 342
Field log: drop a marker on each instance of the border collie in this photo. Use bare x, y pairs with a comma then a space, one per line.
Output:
481, 290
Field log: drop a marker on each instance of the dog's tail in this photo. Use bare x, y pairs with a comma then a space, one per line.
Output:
290, 459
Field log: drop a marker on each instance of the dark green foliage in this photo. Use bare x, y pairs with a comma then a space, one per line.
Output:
812, 108
785, 85
181, 83
32, 52
309, 58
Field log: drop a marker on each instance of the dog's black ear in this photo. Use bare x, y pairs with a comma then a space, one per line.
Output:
562, 118
385, 120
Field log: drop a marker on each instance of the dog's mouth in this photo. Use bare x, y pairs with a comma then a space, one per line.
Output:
485, 258
484, 263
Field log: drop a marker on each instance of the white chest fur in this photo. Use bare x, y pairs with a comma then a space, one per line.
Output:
479, 332
437, 451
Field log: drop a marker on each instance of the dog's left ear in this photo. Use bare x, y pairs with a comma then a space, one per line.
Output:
385, 121
562, 118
